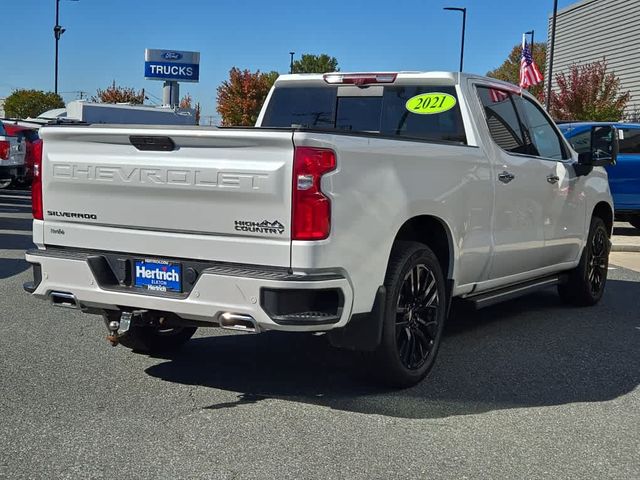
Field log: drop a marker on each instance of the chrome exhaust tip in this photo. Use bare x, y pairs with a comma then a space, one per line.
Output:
239, 322
62, 299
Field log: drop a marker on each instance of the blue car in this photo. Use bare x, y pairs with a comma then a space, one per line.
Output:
624, 176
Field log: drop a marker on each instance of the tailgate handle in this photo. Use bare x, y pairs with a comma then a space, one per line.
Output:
150, 143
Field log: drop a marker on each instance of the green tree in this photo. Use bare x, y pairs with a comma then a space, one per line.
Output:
241, 97
117, 94
509, 71
309, 63
31, 103
588, 92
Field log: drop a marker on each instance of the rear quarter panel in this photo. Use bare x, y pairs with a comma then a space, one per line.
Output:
379, 185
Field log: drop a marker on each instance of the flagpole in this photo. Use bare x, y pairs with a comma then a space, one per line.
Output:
530, 32
553, 43
524, 45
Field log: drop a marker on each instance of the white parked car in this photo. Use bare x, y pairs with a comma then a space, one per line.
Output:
359, 206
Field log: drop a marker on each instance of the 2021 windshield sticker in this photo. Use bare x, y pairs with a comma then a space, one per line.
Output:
430, 103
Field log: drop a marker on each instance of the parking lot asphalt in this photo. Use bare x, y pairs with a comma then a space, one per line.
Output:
528, 389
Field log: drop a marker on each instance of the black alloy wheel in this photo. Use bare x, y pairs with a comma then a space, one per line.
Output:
598, 262
417, 317
415, 312
586, 283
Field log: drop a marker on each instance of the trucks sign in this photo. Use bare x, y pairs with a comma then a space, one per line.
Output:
171, 65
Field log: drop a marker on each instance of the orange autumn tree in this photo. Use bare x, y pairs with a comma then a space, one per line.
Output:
187, 102
241, 97
117, 94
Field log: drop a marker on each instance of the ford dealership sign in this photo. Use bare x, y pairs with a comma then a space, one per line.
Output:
171, 65
171, 55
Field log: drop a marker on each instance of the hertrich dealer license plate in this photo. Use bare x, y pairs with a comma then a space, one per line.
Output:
157, 275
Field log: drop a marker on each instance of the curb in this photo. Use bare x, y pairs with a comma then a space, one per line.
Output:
620, 247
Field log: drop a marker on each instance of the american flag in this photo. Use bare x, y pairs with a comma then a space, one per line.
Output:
498, 96
529, 73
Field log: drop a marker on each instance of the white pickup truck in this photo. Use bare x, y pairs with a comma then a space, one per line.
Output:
360, 205
12, 156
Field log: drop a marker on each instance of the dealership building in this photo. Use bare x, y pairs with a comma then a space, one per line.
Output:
590, 30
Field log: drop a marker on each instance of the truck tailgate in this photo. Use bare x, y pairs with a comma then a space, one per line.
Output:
216, 196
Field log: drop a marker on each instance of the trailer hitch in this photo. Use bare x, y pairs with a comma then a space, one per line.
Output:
119, 328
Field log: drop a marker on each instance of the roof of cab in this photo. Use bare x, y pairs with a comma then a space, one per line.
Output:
403, 77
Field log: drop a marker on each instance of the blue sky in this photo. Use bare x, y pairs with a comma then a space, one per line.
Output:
105, 39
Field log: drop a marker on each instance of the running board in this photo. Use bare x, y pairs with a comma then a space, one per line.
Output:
486, 299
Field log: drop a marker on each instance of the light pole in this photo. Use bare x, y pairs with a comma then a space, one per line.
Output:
553, 43
464, 24
291, 62
57, 33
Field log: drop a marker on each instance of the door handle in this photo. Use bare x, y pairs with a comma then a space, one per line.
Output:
553, 178
506, 177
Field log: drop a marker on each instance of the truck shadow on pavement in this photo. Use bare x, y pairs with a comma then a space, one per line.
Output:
530, 352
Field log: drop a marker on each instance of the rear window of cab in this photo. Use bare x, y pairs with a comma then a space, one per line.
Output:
389, 114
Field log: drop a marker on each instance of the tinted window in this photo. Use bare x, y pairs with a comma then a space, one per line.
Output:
303, 107
629, 140
359, 114
503, 121
544, 136
397, 120
2, 130
581, 141
320, 107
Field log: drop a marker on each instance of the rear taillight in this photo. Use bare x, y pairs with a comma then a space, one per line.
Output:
311, 211
5, 148
34, 153
36, 185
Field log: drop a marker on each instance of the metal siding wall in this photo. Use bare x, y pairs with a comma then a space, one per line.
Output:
595, 29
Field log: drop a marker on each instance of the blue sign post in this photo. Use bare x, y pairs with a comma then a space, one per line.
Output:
171, 66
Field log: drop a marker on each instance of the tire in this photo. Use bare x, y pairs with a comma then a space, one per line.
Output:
586, 283
635, 221
413, 322
154, 338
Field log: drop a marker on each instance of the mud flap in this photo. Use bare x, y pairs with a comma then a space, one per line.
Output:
364, 330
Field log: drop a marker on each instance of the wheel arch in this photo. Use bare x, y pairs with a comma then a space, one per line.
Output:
604, 211
433, 232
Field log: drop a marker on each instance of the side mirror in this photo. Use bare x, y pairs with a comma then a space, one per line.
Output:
603, 147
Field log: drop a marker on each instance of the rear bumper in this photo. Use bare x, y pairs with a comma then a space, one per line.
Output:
274, 298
